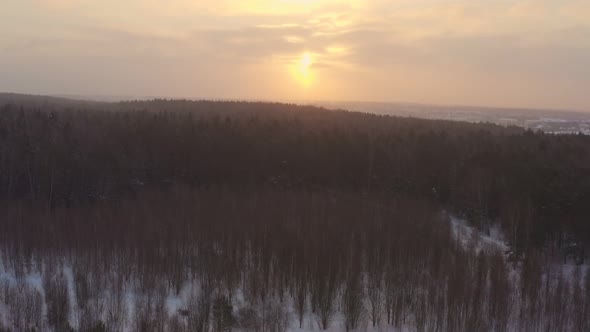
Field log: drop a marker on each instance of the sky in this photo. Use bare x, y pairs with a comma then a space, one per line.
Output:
529, 53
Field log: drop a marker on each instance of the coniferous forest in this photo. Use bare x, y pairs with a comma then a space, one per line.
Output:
177, 215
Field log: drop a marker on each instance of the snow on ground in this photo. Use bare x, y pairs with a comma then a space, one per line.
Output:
470, 237
310, 324
467, 235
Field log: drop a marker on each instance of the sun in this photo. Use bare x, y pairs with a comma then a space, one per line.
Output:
303, 71
305, 61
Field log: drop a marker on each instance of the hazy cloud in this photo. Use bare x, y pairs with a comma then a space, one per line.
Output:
503, 52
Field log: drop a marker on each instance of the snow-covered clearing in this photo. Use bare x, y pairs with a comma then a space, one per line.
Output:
470, 237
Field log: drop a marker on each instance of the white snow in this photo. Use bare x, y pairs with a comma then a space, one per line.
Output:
471, 237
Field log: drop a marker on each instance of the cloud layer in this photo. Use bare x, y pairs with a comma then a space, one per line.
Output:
500, 53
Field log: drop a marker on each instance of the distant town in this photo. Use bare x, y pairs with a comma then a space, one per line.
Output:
549, 121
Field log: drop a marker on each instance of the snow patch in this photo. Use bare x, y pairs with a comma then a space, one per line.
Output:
470, 237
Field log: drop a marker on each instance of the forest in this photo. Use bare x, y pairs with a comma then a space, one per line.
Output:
178, 215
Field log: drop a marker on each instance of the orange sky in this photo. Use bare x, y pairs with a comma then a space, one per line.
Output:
479, 52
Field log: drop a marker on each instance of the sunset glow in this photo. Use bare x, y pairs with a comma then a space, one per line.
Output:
495, 53
303, 71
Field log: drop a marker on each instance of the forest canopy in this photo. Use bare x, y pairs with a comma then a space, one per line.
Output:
63, 153
177, 215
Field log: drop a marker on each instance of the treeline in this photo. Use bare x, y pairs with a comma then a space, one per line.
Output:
57, 153
269, 260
